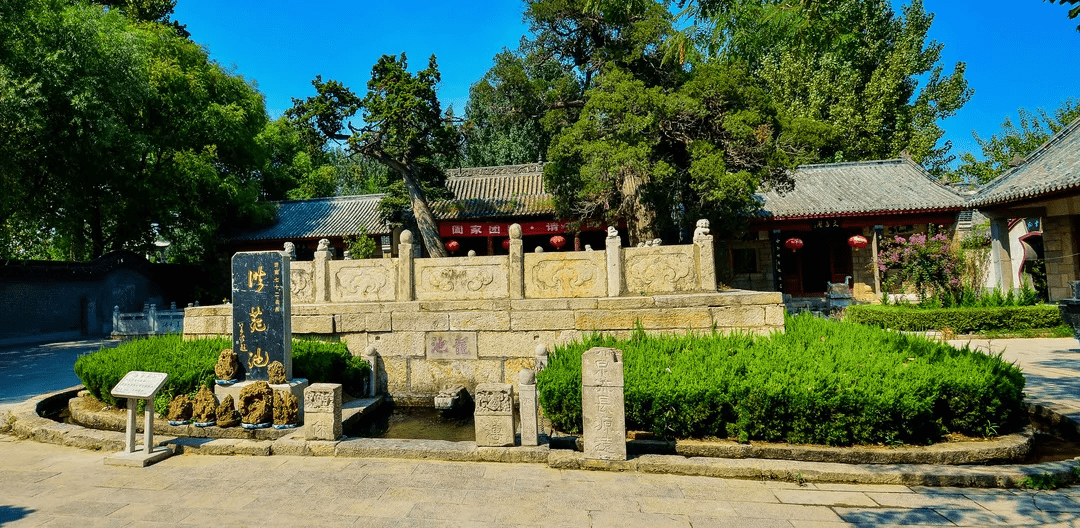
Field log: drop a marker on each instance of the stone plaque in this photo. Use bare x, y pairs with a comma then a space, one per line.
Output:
494, 415
139, 384
262, 330
451, 345
602, 407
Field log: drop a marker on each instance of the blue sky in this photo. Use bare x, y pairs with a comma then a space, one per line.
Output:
1018, 54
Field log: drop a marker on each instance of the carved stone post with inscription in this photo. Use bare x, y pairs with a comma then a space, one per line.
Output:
527, 403
543, 424
262, 322
614, 262
322, 411
494, 415
517, 263
602, 408
405, 267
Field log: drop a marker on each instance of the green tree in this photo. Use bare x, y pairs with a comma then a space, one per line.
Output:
1074, 11
404, 129
1001, 150
109, 126
159, 11
844, 73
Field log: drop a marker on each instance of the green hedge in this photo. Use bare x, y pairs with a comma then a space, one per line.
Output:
961, 320
190, 364
821, 382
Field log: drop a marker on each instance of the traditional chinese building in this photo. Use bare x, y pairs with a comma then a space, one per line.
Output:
1044, 186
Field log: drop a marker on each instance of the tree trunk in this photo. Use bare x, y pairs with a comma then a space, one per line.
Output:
425, 221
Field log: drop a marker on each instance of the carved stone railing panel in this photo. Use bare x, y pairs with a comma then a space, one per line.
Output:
569, 274
302, 281
661, 269
363, 280
456, 278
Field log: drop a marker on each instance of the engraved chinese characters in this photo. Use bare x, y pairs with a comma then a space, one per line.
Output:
602, 404
261, 323
494, 415
322, 411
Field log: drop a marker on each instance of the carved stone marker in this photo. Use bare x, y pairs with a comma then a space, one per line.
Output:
322, 411
527, 403
137, 385
602, 409
262, 330
494, 415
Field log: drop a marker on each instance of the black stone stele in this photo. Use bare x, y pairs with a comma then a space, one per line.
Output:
1070, 310
262, 332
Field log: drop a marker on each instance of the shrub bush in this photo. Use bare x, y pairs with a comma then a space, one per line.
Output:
961, 320
821, 382
190, 364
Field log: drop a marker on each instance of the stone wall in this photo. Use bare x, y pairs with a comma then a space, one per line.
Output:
440, 322
425, 346
1061, 254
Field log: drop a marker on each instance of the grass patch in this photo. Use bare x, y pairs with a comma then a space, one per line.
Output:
190, 365
820, 382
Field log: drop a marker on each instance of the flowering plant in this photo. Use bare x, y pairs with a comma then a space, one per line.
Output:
926, 263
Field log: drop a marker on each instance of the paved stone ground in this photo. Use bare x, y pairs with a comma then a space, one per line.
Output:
1051, 368
29, 370
48, 485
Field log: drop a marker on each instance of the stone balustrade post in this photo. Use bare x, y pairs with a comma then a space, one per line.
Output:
405, 267
322, 272
706, 259
116, 318
614, 263
373, 362
151, 320
516, 280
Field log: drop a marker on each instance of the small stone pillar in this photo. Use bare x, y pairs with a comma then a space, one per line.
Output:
322, 411
543, 424
322, 273
494, 415
116, 319
151, 320
602, 408
614, 262
405, 267
703, 247
517, 263
373, 362
530, 433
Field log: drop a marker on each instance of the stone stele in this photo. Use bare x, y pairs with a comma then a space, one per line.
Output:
602, 406
528, 408
494, 415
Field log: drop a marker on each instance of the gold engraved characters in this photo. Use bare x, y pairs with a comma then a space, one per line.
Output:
256, 277
257, 324
258, 359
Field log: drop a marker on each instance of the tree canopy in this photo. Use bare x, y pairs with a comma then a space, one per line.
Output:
1013, 141
645, 108
114, 131
404, 129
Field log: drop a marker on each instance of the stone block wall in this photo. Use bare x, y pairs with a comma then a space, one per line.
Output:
1061, 253
425, 346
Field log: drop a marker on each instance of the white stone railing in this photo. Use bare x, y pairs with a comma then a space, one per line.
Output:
613, 272
150, 321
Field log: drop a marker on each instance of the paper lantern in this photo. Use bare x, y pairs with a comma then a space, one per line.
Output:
506, 243
857, 241
452, 246
558, 241
793, 243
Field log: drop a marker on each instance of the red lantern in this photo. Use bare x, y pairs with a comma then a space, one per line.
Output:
857, 241
558, 241
506, 243
452, 246
793, 243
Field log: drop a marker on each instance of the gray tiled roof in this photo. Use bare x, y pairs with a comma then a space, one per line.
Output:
863, 187
322, 217
1053, 167
487, 192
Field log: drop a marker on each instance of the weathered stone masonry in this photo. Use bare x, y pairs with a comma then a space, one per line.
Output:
459, 321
